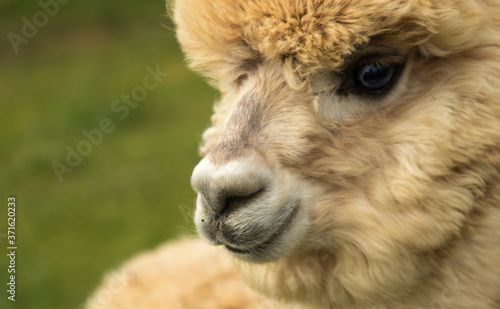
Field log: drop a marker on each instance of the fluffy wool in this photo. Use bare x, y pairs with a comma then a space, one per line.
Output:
403, 189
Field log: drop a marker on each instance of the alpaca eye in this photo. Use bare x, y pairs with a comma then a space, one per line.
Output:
375, 77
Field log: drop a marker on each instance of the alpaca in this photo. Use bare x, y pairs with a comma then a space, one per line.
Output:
353, 159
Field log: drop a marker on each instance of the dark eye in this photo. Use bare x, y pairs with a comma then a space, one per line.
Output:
375, 77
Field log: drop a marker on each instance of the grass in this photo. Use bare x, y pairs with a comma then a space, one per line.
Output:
126, 195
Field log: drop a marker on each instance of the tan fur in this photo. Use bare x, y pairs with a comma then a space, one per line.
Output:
166, 278
404, 205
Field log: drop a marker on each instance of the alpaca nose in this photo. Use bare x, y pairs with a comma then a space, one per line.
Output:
234, 184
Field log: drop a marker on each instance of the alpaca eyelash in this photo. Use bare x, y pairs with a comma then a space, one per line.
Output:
379, 59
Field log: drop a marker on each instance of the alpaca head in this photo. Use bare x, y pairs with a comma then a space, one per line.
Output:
358, 135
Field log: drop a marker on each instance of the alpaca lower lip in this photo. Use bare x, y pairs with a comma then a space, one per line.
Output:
260, 249
238, 251
257, 248
251, 250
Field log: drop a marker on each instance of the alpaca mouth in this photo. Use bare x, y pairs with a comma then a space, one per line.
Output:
263, 251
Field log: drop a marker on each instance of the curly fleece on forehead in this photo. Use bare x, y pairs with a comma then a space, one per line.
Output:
312, 35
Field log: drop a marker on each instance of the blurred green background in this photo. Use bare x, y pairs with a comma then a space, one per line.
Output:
128, 194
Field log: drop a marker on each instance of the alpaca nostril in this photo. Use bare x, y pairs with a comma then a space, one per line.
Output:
221, 201
234, 201
225, 188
